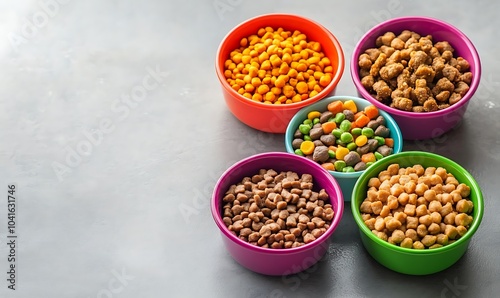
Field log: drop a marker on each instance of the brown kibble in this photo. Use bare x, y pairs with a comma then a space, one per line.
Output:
309, 238
418, 245
449, 219
434, 229
412, 234
303, 218
410, 209
379, 224
425, 220
464, 190
435, 206
422, 230
421, 210
429, 240
281, 205
451, 231
376, 207
436, 217
398, 236
430, 195
381, 235
406, 243
393, 224
392, 202
464, 206
318, 222
442, 239
461, 230
385, 211
462, 219
411, 222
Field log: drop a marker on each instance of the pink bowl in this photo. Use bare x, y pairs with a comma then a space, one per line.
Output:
276, 261
418, 126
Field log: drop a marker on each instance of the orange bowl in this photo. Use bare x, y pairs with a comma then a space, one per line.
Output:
268, 117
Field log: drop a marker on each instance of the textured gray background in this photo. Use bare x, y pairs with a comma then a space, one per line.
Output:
116, 209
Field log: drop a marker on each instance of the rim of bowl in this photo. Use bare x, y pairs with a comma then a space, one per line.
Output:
476, 61
398, 144
470, 232
318, 241
329, 88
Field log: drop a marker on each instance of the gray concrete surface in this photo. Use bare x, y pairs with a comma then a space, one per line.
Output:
104, 172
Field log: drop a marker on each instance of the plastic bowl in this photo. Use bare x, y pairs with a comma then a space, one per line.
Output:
274, 118
418, 126
345, 180
411, 261
276, 261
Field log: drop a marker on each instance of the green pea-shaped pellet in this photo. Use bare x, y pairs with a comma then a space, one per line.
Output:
337, 133
331, 153
348, 169
378, 156
339, 117
315, 120
345, 125
380, 140
352, 146
366, 131
304, 128
339, 165
307, 138
308, 122
369, 163
299, 152
356, 131
340, 143
346, 137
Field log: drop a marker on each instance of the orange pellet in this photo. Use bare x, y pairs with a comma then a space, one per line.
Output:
328, 166
335, 107
368, 157
371, 112
328, 127
362, 121
269, 61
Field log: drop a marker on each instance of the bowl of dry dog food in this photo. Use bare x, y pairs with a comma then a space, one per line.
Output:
276, 212
420, 70
273, 65
345, 135
417, 211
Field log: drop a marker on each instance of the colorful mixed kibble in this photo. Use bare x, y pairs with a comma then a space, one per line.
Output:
343, 138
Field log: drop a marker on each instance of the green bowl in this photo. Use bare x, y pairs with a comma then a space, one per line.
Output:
412, 261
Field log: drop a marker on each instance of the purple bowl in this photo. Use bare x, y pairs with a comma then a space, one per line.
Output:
419, 126
276, 261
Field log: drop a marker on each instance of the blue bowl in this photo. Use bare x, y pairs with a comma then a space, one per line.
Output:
345, 180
